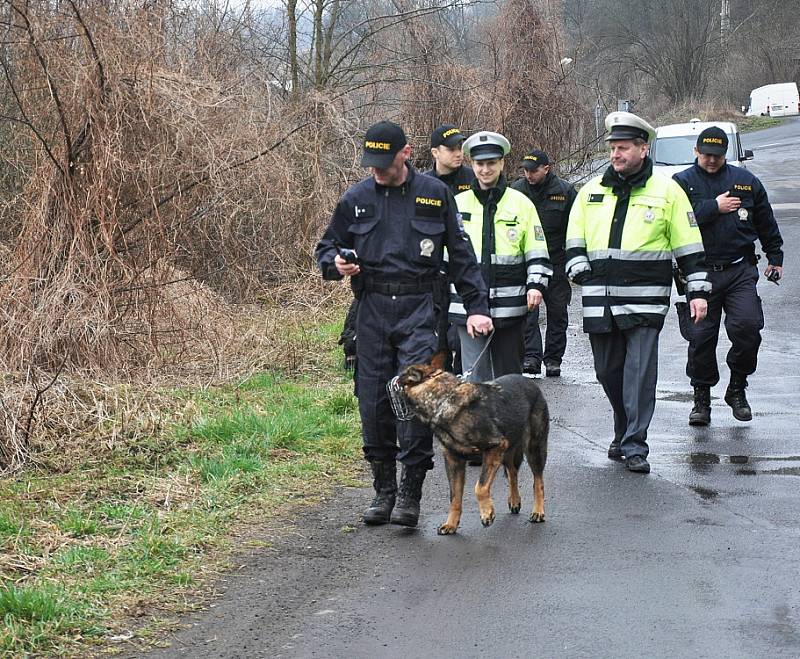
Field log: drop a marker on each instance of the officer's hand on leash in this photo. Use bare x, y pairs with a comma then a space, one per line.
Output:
774, 273
534, 298
728, 204
698, 308
478, 325
345, 268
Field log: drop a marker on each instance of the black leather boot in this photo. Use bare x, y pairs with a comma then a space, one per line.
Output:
735, 397
406, 511
701, 412
385, 484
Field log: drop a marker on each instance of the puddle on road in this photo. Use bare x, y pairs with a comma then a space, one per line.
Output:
755, 464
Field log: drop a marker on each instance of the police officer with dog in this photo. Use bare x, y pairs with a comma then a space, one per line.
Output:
732, 211
509, 242
553, 198
388, 234
624, 229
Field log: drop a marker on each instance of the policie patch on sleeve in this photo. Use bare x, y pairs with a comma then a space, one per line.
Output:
692, 219
596, 198
538, 232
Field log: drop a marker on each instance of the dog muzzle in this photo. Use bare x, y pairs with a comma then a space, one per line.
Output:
398, 400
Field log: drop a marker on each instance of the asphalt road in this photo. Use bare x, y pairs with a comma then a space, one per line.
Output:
698, 559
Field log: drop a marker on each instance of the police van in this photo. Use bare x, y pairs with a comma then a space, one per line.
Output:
672, 149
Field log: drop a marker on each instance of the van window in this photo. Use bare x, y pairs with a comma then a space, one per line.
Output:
679, 150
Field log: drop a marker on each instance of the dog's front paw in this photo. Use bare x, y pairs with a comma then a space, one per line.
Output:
514, 507
487, 518
447, 529
536, 517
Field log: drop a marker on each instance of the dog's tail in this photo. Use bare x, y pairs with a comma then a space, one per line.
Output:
536, 449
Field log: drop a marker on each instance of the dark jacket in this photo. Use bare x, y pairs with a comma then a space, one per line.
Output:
553, 199
458, 181
399, 234
728, 237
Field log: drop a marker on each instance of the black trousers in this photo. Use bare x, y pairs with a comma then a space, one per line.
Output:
733, 291
557, 298
393, 331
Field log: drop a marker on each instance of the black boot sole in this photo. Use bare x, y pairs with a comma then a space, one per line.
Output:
401, 519
371, 520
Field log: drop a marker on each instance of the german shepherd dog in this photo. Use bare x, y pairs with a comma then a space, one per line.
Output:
502, 419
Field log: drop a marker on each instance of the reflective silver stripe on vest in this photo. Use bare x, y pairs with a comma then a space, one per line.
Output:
502, 312
629, 309
628, 291
574, 243
593, 312
698, 285
502, 259
694, 248
626, 255
507, 291
509, 312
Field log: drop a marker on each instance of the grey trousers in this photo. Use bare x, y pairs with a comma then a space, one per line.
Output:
503, 356
626, 364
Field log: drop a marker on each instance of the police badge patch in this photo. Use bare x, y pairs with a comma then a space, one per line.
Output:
426, 247
692, 219
538, 232
742, 212
512, 234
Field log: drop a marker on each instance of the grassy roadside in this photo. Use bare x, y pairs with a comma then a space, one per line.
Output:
88, 543
750, 124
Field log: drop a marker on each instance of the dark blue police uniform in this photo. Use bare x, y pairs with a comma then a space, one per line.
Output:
399, 234
729, 243
553, 199
458, 181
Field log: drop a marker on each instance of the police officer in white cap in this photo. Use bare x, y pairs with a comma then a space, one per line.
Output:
624, 229
509, 243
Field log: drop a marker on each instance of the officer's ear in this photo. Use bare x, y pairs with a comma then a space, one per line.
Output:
434, 152
406, 151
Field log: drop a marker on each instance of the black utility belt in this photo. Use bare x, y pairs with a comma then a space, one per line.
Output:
399, 287
719, 267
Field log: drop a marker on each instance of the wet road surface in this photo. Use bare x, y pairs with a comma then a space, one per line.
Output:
700, 558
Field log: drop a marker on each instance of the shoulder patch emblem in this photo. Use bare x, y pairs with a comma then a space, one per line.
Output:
538, 232
365, 211
692, 219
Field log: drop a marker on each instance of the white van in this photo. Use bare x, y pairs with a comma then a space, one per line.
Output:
778, 100
672, 149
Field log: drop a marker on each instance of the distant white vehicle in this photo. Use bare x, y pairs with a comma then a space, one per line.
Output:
778, 100
672, 149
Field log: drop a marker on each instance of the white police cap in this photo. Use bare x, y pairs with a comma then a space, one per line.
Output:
485, 145
627, 126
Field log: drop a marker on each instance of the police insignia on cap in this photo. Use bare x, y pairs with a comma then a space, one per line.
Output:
512, 234
426, 247
742, 214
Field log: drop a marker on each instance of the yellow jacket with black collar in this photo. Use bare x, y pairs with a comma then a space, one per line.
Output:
510, 246
621, 239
